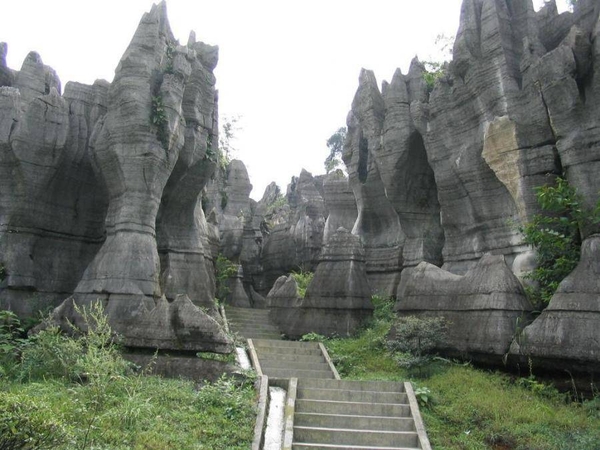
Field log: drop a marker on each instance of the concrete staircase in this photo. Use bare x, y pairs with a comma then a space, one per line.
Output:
287, 359
323, 412
344, 415
251, 323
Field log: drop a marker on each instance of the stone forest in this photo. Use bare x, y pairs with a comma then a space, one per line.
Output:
116, 192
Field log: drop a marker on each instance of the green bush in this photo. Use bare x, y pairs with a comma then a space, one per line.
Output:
414, 340
303, 279
225, 270
26, 423
556, 237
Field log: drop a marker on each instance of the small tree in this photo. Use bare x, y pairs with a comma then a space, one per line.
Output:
227, 136
225, 270
415, 339
335, 143
556, 237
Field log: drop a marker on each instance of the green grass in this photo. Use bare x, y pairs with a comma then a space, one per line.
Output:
145, 412
475, 409
61, 392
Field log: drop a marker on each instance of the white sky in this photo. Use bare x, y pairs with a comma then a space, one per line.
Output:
289, 69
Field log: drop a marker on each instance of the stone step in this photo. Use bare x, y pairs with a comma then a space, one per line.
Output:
355, 422
352, 396
287, 344
309, 446
356, 437
379, 386
295, 357
260, 335
247, 317
253, 319
252, 328
352, 408
273, 352
269, 363
296, 373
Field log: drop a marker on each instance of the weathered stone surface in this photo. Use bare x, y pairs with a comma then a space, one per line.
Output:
340, 203
295, 241
565, 335
237, 294
483, 308
338, 299
394, 186
100, 193
52, 205
178, 325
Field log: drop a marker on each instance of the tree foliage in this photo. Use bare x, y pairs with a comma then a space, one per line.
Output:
225, 270
555, 236
227, 135
335, 143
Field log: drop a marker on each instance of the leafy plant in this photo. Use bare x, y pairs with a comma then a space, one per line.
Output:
303, 279
414, 339
433, 71
227, 135
383, 308
423, 395
335, 144
28, 424
313, 337
556, 237
225, 270
158, 118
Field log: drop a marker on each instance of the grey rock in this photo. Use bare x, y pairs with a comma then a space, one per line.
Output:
296, 238
483, 308
565, 335
340, 204
101, 192
179, 325
338, 299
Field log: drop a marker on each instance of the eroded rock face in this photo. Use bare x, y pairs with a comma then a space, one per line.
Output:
483, 308
394, 186
52, 203
100, 193
448, 176
565, 335
338, 299
295, 238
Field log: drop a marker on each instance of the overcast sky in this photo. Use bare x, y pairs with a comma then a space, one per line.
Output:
289, 69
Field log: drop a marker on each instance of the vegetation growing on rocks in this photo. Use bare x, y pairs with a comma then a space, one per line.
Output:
468, 408
65, 392
556, 237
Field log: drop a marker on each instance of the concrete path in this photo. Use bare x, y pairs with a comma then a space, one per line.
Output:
323, 412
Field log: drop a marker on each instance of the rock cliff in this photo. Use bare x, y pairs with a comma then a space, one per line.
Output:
101, 187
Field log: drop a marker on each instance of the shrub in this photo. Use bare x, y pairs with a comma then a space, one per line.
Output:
28, 424
225, 270
414, 340
383, 308
556, 237
303, 279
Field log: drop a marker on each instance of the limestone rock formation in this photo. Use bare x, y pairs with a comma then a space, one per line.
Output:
483, 308
394, 186
338, 299
447, 175
100, 190
52, 203
340, 204
295, 241
565, 335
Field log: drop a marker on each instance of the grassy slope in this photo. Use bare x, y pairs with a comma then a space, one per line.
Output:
475, 409
146, 413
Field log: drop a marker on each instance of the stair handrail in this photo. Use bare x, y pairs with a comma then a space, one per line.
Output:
416, 414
